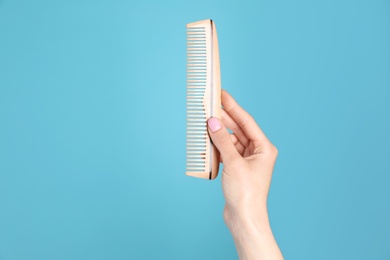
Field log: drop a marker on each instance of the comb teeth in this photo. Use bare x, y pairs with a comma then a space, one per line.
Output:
198, 143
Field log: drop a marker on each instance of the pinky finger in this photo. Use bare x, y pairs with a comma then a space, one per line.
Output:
237, 144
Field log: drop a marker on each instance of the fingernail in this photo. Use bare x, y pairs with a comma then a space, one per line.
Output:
214, 124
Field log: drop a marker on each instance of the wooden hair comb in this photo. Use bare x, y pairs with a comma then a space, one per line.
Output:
203, 98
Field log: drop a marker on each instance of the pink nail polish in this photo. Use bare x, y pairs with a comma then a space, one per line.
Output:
214, 124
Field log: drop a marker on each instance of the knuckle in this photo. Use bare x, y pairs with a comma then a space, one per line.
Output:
272, 151
224, 138
275, 150
244, 121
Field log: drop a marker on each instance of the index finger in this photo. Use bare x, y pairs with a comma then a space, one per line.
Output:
243, 119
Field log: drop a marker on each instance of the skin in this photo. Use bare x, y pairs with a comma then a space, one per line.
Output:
248, 158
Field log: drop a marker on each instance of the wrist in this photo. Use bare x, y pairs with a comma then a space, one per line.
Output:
250, 221
252, 234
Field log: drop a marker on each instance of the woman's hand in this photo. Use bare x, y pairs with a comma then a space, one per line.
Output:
248, 158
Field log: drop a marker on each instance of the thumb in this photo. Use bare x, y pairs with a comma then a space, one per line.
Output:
222, 140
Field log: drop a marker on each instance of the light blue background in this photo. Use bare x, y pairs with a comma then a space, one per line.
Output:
92, 127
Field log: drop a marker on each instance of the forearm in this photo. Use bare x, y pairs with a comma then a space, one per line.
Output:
253, 236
